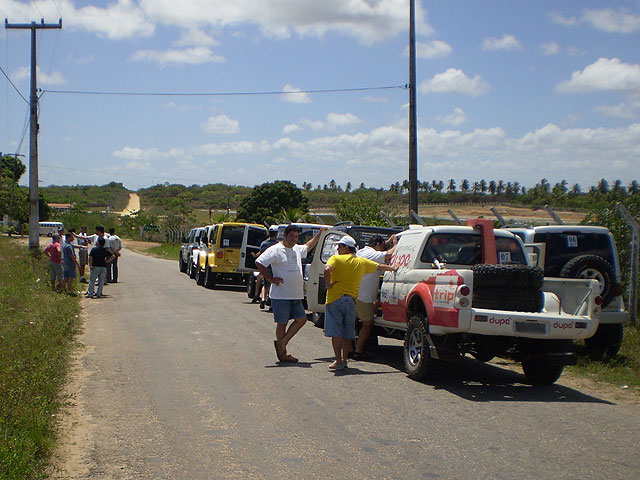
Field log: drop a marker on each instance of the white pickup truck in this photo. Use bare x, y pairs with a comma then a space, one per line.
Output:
471, 290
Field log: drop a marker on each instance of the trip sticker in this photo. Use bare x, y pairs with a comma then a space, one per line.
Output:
572, 241
225, 242
505, 257
444, 292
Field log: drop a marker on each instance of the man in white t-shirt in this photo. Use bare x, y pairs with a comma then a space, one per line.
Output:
381, 252
287, 290
115, 245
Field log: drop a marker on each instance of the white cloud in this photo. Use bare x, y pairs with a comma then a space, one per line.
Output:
24, 73
506, 42
433, 49
220, 124
458, 117
295, 97
550, 48
611, 21
194, 55
622, 110
195, 37
117, 21
341, 120
562, 20
146, 154
290, 128
603, 75
313, 124
455, 81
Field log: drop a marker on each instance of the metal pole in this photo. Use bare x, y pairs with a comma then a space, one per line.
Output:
413, 135
554, 215
633, 274
455, 217
498, 216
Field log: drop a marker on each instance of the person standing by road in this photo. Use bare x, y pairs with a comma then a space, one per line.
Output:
342, 275
287, 291
98, 259
368, 294
115, 245
69, 263
83, 253
54, 252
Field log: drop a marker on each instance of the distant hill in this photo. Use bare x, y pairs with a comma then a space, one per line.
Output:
113, 195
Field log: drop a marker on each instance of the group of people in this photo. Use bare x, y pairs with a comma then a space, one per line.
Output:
351, 278
100, 252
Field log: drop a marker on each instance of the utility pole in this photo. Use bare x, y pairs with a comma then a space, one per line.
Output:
413, 135
34, 214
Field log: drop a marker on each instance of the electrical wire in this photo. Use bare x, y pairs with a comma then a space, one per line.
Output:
224, 94
12, 84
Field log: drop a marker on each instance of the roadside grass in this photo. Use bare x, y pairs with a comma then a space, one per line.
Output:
37, 330
165, 250
623, 369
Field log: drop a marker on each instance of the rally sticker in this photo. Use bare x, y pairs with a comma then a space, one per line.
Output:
444, 291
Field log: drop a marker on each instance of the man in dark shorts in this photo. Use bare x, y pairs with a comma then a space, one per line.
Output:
69, 263
98, 259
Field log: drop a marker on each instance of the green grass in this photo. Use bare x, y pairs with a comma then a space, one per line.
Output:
37, 330
165, 250
624, 369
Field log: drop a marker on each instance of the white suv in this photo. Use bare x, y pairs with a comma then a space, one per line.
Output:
585, 251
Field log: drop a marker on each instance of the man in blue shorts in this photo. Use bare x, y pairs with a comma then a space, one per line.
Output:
287, 292
69, 264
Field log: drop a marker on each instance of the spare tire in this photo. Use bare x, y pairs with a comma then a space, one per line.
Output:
510, 299
507, 276
592, 267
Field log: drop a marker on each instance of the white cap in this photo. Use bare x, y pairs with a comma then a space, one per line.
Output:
348, 241
273, 228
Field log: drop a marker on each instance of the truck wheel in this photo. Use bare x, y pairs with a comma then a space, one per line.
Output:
540, 372
183, 267
317, 319
199, 276
251, 286
606, 342
507, 276
417, 358
516, 299
191, 271
592, 267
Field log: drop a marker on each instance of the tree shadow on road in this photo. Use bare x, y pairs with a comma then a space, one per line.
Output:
483, 382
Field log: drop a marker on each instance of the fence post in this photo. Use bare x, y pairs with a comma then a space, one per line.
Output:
633, 274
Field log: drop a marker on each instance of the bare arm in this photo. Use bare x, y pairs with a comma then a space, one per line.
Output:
386, 268
328, 269
267, 276
314, 240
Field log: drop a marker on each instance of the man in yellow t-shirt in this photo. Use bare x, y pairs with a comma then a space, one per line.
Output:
343, 274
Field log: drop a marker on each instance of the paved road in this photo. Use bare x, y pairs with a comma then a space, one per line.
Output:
180, 382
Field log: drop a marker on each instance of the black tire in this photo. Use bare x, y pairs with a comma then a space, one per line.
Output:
183, 266
317, 319
541, 370
191, 271
210, 278
251, 286
512, 299
507, 276
417, 357
606, 342
199, 276
592, 267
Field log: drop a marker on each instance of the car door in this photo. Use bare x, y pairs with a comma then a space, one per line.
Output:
252, 238
316, 288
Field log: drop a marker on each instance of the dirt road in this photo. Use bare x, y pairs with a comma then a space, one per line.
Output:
175, 381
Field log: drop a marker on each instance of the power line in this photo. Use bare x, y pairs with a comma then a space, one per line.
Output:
12, 84
223, 94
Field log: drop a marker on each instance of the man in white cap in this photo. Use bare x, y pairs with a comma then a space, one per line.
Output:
343, 274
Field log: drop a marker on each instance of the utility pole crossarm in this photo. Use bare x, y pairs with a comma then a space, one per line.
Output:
33, 24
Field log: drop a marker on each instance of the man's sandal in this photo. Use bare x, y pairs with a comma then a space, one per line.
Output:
291, 358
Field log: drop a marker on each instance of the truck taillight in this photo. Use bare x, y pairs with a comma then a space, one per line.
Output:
219, 254
465, 290
598, 300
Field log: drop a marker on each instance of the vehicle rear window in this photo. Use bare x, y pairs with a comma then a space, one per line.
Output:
232, 237
256, 236
562, 247
464, 249
363, 234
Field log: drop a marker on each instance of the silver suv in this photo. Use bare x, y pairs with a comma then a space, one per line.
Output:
585, 251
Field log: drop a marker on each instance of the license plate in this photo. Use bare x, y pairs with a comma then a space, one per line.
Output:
531, 327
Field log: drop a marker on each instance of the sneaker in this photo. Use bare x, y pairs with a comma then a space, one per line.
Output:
83, 280
255, 300
261, 304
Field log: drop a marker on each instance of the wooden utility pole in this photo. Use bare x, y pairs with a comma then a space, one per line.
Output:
34, 214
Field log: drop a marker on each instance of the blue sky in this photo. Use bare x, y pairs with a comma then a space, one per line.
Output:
512, 91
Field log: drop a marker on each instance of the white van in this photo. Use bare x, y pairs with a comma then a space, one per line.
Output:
50, 228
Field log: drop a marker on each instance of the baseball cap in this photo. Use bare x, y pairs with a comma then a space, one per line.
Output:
348, 241
273, 228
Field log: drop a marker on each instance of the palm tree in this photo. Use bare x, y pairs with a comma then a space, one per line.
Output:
492, 187
464, 186
452, 185
633, 187
348, 187
576, 189
483, 185
500, 187
603, 186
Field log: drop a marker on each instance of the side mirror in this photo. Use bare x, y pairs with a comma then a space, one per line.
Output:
184, 239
